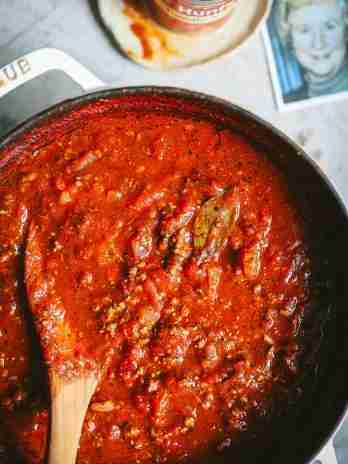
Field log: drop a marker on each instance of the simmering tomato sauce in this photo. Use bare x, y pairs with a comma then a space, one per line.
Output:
170, 246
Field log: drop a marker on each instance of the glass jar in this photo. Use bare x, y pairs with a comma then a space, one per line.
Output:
194, 15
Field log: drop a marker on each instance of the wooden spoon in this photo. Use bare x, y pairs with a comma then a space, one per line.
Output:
72, 379
69, 403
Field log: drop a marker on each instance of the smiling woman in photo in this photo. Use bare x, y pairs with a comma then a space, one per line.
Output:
316, 31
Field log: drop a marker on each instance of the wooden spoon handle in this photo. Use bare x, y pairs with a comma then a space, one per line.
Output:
69, 403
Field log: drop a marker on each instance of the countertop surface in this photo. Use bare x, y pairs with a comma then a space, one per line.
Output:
75, 27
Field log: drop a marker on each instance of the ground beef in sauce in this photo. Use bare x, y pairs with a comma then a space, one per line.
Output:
176, 245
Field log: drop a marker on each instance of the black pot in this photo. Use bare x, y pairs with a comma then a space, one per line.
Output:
301, 436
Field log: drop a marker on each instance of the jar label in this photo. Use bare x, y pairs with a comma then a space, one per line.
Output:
196, 11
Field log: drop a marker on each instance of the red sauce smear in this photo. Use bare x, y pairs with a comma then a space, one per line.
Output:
140, 31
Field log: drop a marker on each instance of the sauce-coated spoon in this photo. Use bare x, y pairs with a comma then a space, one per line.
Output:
72, 381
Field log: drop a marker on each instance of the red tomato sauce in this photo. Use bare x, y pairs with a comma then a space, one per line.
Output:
173, 248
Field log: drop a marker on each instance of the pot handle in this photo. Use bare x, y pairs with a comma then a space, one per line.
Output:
40, 61
327, 455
